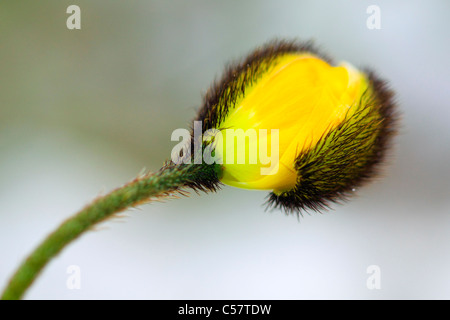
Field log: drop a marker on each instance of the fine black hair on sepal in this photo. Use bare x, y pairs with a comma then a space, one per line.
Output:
346, 157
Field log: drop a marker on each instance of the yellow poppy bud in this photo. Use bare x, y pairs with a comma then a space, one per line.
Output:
327, 125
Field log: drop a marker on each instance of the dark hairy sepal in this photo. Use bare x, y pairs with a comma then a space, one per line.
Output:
346, 157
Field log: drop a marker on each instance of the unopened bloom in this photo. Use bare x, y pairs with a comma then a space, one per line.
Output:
333, 124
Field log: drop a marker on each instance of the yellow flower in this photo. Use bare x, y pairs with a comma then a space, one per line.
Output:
331, 124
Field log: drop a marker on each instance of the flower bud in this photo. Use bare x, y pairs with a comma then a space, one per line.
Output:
318, 130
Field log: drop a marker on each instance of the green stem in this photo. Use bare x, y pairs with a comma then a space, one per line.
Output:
167, 180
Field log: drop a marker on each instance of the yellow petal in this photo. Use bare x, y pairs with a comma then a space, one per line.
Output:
303, 97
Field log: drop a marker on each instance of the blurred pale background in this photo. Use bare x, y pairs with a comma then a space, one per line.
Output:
83, 111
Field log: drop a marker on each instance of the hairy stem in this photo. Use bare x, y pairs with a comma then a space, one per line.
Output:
167, 180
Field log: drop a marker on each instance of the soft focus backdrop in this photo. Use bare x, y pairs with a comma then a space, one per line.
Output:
84, 111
